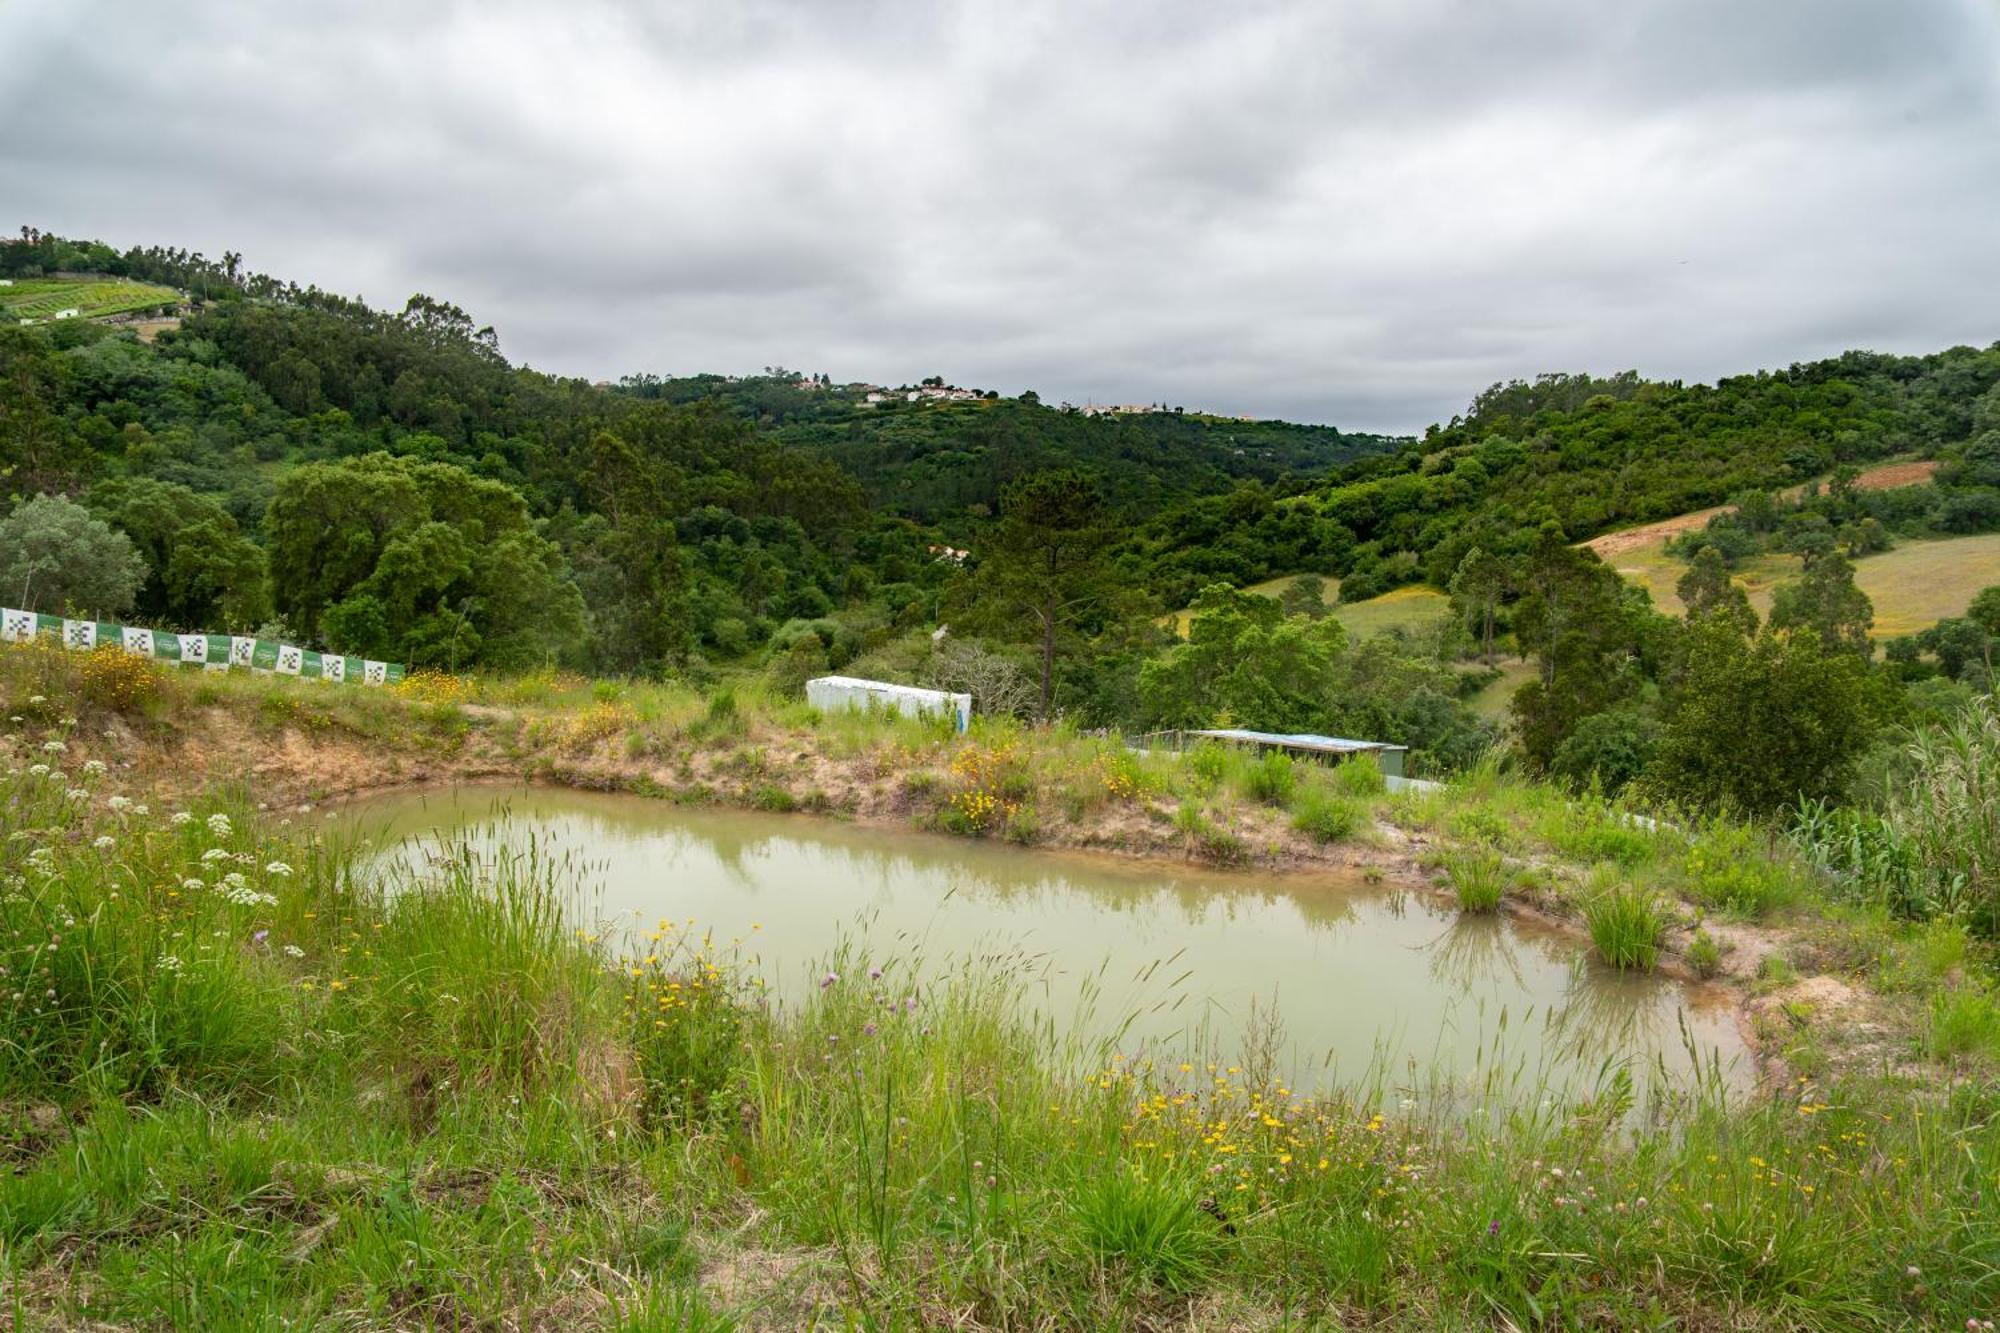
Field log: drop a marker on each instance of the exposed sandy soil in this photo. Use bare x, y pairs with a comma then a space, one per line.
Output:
1886, 477
291, 765
1891, 475
217, 747
1631, 539
149, 329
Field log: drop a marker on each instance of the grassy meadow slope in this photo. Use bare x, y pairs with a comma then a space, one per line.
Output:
1401, 608
1913, 586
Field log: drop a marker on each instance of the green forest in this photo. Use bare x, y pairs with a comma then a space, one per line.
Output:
388, 484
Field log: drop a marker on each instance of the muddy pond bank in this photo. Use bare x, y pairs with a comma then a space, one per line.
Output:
1331, 978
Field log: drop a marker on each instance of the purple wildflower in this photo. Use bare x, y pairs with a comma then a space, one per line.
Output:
828, 980
874, 974
1493, 1227
260, 937
867, 1029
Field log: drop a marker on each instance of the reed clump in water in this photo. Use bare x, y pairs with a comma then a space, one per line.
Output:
1478, 878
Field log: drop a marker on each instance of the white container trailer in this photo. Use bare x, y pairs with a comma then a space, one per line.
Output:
832, 694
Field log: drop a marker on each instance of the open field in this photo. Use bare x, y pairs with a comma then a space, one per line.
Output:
252, 1084
1491, 702
1401, 608
1913, 586
91, 298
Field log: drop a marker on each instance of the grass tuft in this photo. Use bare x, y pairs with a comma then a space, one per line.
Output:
1479, 878
1270, 779
1626, 922
1325, 817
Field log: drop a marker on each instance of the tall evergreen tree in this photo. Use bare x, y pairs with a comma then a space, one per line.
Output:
1047, 566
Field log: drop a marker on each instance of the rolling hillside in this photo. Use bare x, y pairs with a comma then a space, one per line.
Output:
1403, 608
1913, 586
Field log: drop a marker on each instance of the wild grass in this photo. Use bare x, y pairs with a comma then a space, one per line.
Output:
1627, 921
1478, 879
448, 1107
1359, 778
460, 1104
1704, 954
1326, 817
1965, 1021
1589, 829
1917, 583
1207, 840
1270, 779
1738, 869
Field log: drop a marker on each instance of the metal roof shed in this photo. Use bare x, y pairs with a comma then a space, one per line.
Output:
1388, 757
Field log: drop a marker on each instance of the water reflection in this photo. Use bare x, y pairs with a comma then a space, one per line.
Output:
1368, 982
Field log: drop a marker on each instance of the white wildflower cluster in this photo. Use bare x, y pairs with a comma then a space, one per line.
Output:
119, 804
294, 951
94, 767
182, 817
54, 747
215, 854
42, 859
171, 963
78, 793
278, 868
218, 824
104, 842
37, 699
237, 890
38, 770
193, 885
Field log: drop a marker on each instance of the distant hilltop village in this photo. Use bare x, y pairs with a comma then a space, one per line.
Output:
931, 390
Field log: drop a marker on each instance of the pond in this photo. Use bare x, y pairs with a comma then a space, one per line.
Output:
1365, 982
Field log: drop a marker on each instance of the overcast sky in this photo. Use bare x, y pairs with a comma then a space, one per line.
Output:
1357, 212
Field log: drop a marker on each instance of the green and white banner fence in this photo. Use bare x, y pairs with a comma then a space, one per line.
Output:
213, 652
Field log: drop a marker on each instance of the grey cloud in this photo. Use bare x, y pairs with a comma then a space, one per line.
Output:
1359, 213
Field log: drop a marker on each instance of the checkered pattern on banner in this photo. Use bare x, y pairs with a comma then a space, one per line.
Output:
212, 652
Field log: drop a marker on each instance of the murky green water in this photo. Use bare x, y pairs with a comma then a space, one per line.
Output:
1367, 982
